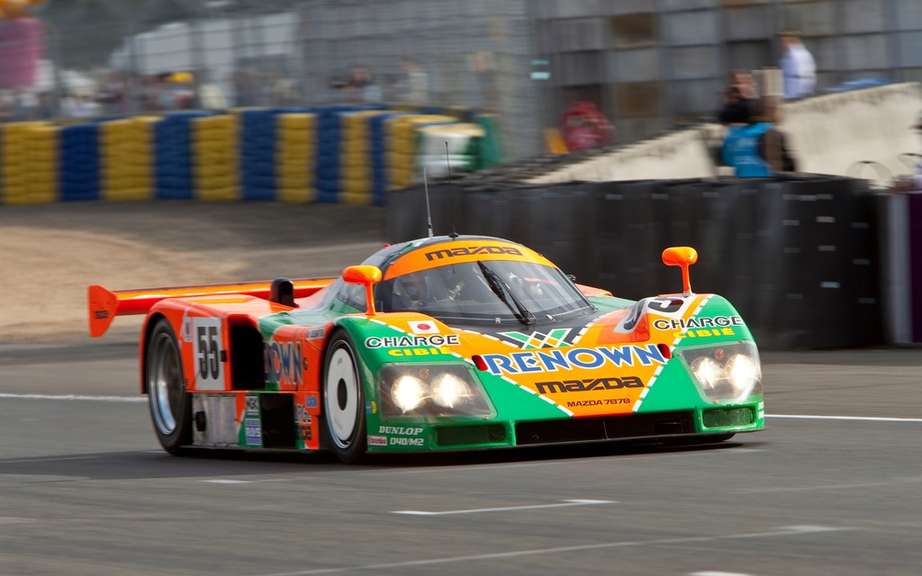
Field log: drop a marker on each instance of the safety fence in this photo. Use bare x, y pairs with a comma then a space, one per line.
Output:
798, 256
349, 154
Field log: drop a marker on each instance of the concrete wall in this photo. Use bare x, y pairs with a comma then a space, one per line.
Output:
828, 135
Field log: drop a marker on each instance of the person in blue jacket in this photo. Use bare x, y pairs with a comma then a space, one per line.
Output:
749, 149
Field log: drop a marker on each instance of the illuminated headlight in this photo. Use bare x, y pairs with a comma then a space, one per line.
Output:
726, 373
431, 390
448, 390
408, 392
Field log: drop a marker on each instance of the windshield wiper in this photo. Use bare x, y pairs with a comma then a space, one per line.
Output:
501, 289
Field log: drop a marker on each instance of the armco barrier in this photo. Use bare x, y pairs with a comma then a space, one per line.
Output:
350, 154
798, 255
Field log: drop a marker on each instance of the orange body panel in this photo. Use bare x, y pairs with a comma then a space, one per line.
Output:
105, 304
460, 252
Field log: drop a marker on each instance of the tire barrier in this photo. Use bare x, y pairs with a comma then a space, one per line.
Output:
173, 153
126, 147
29, 163
78, 163
350, 154
797, 255
901, 252
295, 157
215, 173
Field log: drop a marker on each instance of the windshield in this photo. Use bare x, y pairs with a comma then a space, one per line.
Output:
490, 291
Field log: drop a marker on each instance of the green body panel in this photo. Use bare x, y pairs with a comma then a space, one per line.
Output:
511, 403
673, 389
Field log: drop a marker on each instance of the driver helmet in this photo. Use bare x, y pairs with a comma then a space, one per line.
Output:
413, 287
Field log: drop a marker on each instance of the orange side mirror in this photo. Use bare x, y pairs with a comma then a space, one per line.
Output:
683, 257
368, 276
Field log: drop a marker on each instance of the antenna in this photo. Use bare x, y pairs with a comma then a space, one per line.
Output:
428, 210
454, 233
447, 160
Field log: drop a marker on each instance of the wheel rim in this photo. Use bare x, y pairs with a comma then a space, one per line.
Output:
341, 397
165, 384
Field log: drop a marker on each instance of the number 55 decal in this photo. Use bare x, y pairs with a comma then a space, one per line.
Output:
207, 349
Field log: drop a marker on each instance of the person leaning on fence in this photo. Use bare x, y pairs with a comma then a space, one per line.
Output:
798, 67
758, 149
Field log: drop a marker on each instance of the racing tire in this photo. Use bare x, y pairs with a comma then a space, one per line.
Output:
343, 400
170, 405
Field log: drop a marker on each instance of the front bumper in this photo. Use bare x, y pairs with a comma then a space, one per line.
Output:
447, 436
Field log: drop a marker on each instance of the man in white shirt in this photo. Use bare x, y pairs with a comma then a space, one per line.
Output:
798, 67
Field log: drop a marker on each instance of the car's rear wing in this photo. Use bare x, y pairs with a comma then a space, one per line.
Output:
105, 304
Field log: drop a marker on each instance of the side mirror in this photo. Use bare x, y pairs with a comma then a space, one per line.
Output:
683, 257
367, 276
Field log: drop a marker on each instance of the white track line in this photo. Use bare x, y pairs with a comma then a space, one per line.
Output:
73, 397
780, 532
563, 504
858, 418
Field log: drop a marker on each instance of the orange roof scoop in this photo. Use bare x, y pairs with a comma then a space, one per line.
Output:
683, 257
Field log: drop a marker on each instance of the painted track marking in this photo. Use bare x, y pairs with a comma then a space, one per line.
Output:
779, 532
856, 418
716, 573
564, 504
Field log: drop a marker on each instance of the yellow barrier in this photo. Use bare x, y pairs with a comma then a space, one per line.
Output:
29, 163
294, 157
401, 151
215, 157
355, 157
127, 158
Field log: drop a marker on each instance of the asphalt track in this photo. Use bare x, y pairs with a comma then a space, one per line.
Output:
84, 488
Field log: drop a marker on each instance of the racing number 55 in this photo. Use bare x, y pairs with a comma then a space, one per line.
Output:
207, 348
208, 356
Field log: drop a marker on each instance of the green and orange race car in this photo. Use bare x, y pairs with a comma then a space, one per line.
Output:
439, 344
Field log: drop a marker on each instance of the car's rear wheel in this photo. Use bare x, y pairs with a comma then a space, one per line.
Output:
343, 400
170, 405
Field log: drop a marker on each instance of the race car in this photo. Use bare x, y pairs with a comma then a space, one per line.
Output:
445, 343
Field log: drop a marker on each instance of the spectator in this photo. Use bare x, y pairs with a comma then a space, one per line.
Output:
362, 87
740, 99
79, 106
44, 107
798, 67
415, 83
758, 149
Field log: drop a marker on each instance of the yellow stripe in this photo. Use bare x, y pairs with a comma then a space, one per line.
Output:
127, 158
214, 163
30, 163
294, 157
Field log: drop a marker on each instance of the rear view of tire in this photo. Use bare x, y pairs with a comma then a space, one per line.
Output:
170, 405
343, 400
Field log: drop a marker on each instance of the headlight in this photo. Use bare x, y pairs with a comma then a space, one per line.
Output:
431, 390
408, 392
725, 373
448, 390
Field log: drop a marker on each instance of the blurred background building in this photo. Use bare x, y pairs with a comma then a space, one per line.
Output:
646, 65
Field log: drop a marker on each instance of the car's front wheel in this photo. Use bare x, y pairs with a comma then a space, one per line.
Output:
343, 400
170, 405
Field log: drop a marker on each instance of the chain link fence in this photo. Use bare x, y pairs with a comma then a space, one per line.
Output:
103, 58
